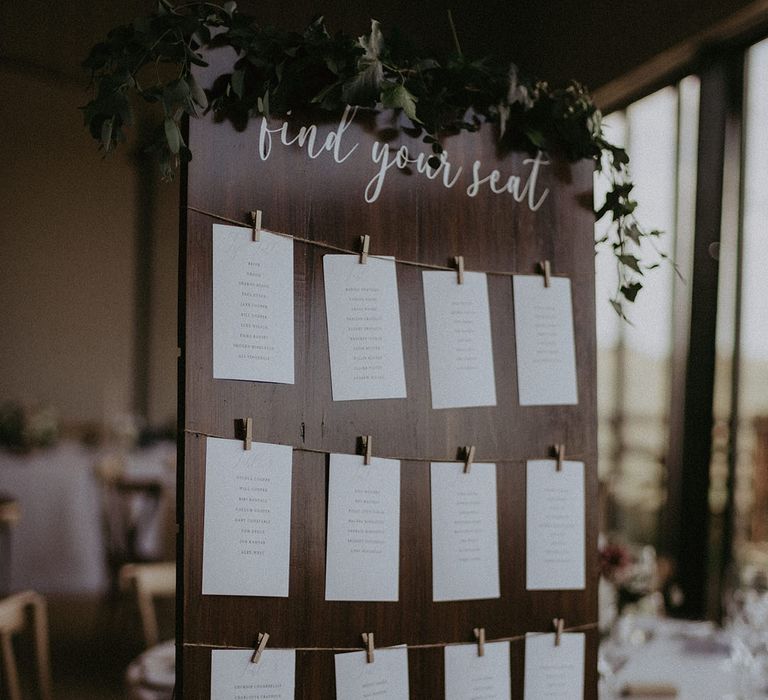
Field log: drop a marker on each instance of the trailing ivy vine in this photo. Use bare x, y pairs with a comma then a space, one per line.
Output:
278, 71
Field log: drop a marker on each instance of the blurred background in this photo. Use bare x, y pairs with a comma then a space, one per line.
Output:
89, 300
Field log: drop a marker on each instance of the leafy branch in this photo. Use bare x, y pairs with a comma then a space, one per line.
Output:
277, 71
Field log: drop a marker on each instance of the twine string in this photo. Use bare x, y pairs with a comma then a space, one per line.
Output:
434, 645
312, 450
349, 251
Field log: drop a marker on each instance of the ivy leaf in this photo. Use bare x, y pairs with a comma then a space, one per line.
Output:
397, 96
175, 92
619, 309
197, 93
238, 82
630, 290
230, 7
633, 232
172, 135
373, 43
517, 93
194, 57
106, 134
365, 86
631, 262
536, 137
316, 29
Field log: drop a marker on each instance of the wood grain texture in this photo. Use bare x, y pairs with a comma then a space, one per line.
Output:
414, 219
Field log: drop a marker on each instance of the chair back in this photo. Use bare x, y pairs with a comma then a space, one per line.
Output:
149, 581
129, 508
15, 610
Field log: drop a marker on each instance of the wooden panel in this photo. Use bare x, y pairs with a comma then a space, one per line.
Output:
414, 219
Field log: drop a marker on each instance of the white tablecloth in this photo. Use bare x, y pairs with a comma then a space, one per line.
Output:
57, 544
695, 660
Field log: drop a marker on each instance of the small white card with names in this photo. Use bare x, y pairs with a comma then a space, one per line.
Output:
555, 527
459, 340
384, 679
546, 354
554, 672
364, 336
363, 551
469, 676
465, 548
247, 518
234, 677
252, 305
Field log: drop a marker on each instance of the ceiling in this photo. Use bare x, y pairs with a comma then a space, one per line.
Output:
594, 41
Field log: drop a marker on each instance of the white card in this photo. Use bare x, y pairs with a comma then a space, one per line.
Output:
252, 305
546, 354
555, 527
247, 526
465, 548
384, 679
469, 676
234, 677
554, 672
363, 551
364, 337
459, 340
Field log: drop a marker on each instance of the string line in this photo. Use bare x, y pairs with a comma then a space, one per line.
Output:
339, 249
313, 450
434, 645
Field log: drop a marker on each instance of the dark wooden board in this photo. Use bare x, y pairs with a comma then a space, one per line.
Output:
414, 219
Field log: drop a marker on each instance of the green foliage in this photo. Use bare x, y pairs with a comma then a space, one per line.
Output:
277, 71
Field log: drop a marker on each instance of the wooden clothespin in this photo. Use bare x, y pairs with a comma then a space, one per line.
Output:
256, 225
558, 623
546, 269
247, 424
365, 244
480, 637
469, 457
559, 455
366, 442
368, 641
459, 262
261, 643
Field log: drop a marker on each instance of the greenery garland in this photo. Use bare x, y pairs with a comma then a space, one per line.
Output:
278, 71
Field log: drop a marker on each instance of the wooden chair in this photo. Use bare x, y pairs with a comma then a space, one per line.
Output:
10, 514
129, 506
149, 581
14, 612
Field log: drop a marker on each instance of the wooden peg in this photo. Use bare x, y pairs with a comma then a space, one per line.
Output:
256, 225
368, 641
247, 433
365, 244
459, 262
261, 643
558, 623
367, 444
469, 457
480, 637
546, 269
560, 456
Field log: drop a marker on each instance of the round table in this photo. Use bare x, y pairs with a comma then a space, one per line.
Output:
152, 675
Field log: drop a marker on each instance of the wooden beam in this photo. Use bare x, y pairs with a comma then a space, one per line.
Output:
687, 516
744, 26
